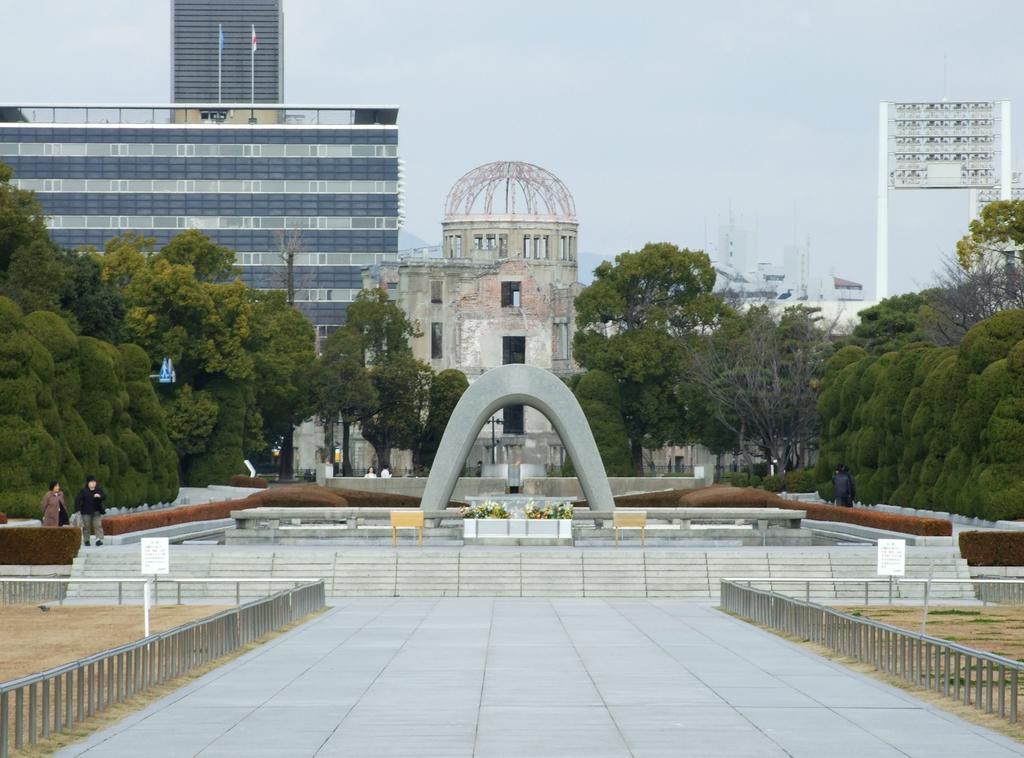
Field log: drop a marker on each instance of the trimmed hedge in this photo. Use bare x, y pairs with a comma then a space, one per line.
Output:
73, 405
719, 496
248, 481
39, 545
931, 427
992, 548
297, 496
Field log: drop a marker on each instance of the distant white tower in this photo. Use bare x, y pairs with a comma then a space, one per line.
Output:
733, 247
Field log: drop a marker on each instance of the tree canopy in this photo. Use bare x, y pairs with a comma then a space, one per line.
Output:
636, 322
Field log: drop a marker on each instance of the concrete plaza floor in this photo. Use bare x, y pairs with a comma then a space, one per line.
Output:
536, 677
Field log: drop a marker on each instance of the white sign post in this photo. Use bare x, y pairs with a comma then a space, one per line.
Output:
892, 560
156, 560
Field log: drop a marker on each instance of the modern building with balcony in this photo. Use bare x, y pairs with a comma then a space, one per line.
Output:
314, 186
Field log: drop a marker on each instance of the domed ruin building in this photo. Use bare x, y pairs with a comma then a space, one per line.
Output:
500, 290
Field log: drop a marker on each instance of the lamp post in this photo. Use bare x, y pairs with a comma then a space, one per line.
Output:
494, 449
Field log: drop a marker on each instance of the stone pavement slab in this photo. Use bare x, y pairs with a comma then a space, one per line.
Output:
530, 678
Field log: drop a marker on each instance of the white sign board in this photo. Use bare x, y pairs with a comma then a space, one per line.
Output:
156, 555
892, 557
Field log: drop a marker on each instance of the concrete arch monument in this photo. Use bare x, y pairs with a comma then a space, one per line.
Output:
517, 384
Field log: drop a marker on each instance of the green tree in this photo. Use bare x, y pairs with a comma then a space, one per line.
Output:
179, 306
598, 395
893, 323
403, 386
340, 388
384, 329
636, 322
95, 307
283, 345
446, 389
402, 383
22, 220
999, 229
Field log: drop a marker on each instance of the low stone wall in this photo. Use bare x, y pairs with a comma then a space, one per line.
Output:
567, 487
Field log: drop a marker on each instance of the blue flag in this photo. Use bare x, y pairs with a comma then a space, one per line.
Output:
220, 28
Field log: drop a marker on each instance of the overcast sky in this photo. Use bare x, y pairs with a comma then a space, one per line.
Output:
658, 116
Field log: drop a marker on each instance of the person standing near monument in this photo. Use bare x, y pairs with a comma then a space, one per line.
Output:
54, 511
845, 488
90, 509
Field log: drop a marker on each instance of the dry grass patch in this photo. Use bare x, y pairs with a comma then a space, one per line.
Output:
997, 629
34, 641
117, 711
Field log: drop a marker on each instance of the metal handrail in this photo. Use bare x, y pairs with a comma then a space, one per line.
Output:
971, 676
121, 581
56, 699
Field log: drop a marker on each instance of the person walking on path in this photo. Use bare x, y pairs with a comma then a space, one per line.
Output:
846, 489
89, 505
54, 511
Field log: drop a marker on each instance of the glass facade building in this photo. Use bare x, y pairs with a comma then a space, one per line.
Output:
206, 68
317, 185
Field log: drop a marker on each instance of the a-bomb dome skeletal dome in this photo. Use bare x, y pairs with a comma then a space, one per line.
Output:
510, 189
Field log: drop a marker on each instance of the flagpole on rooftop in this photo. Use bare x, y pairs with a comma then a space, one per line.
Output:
220, 55
252, 74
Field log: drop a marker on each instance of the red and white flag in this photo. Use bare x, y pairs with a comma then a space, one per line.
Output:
254, 38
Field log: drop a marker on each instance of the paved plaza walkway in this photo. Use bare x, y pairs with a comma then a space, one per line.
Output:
536, 677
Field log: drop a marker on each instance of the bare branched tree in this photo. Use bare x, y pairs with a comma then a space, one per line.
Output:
289, 245
964, 296
762, 373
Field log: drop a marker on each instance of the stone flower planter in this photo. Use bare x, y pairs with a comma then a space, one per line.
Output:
514, 530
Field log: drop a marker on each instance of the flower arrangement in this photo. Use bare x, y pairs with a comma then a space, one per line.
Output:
487, 509
550, 511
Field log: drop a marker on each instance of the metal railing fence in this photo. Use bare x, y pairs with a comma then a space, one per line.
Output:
988, 682
16, 590
34, 707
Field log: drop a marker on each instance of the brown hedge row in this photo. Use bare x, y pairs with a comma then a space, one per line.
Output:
297, 496
992, 548
39, 545
248, 481
719, 496
925, 527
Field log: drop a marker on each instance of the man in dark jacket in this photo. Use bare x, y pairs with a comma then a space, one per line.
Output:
846, 490
89, 504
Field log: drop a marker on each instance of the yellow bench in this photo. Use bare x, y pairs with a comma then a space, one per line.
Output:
634, 520
406, 520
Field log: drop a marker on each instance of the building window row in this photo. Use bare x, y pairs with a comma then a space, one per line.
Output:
188, 186
189, 150
536, 247
221, 222
311, 259
324, 295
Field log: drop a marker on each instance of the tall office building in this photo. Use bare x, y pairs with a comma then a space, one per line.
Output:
197, 51
316, 184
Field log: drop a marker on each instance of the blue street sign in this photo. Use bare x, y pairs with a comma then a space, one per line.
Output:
167, 372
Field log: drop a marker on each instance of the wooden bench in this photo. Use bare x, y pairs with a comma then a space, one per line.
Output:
406, 520
634, 520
